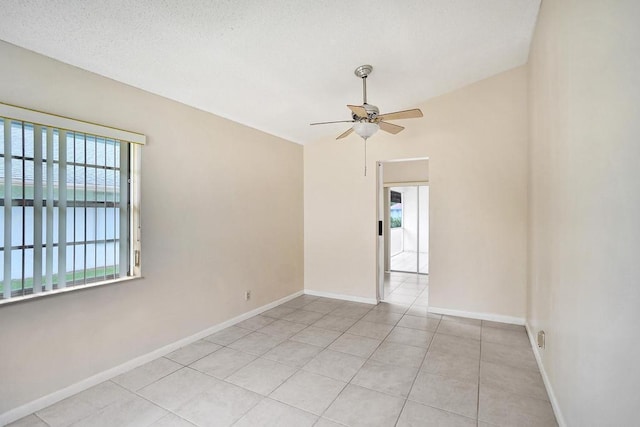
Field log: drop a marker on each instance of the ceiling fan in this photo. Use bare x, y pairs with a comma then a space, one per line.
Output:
366, 118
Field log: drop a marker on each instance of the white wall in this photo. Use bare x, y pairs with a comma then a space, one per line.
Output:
410, 217
476, 142
222, 209
584, 211
396, 242
423, 223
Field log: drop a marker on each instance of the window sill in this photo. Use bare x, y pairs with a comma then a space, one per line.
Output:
66, 290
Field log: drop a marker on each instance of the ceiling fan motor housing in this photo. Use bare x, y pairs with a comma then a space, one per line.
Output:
372, 113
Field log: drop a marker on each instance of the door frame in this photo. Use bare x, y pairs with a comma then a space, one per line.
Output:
382, 227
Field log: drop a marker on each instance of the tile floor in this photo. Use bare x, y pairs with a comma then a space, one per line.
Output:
407, 261
321, 362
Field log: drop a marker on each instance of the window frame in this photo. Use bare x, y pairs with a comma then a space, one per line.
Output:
133, 143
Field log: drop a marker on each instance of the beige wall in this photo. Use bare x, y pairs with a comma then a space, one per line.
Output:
476, 142
222, 212
409, 171
585, 206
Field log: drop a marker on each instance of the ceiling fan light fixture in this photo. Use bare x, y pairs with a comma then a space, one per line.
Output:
365, 129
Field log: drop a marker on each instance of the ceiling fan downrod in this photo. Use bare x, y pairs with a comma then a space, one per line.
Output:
363, 72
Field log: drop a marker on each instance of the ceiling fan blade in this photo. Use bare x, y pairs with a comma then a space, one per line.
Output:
358, 110
406, 114
338, 121
345, 133
390, 127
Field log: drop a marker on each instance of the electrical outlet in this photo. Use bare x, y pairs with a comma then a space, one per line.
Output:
541, 339
247, 295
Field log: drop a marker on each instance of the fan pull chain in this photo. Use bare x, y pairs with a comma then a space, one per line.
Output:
365, 156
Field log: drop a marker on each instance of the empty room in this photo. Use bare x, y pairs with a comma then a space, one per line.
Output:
314, 213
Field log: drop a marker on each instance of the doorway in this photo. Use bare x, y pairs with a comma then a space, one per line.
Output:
403, 231
408, 229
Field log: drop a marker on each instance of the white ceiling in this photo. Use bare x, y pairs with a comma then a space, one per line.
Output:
278, 65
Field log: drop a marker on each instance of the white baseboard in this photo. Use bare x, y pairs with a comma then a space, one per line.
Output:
42, 402
545, 378
481, 316
341, 296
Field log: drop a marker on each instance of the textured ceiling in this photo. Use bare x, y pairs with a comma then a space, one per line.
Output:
278, 65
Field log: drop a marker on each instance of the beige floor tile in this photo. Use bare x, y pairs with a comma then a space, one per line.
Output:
517, 380
351, 311
270, 413
309, 392
383, 316
323, 306
408, 336
177, 388
293, 353
500, 325
417, 322
146, 374
221, 404
256, 322
391, 307
356, 345
456, 345
358, 406
335, 323
256, 343
465, 320
506, 409
452, 366
282, 329
131, 412
223, 362
459, 329
517, 357
262, 376
419, 310
400, 299
192, 352
324, 422
171, 420
335, 364
505, 337
83, 404
370, 329
390, 379
303, 316
300, 301
411, 291
278, 312
316, 336
399, 354
446, 393
227, 335
418, 415
28, 421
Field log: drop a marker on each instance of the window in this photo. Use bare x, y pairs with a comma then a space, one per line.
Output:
395, 210
69, 204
